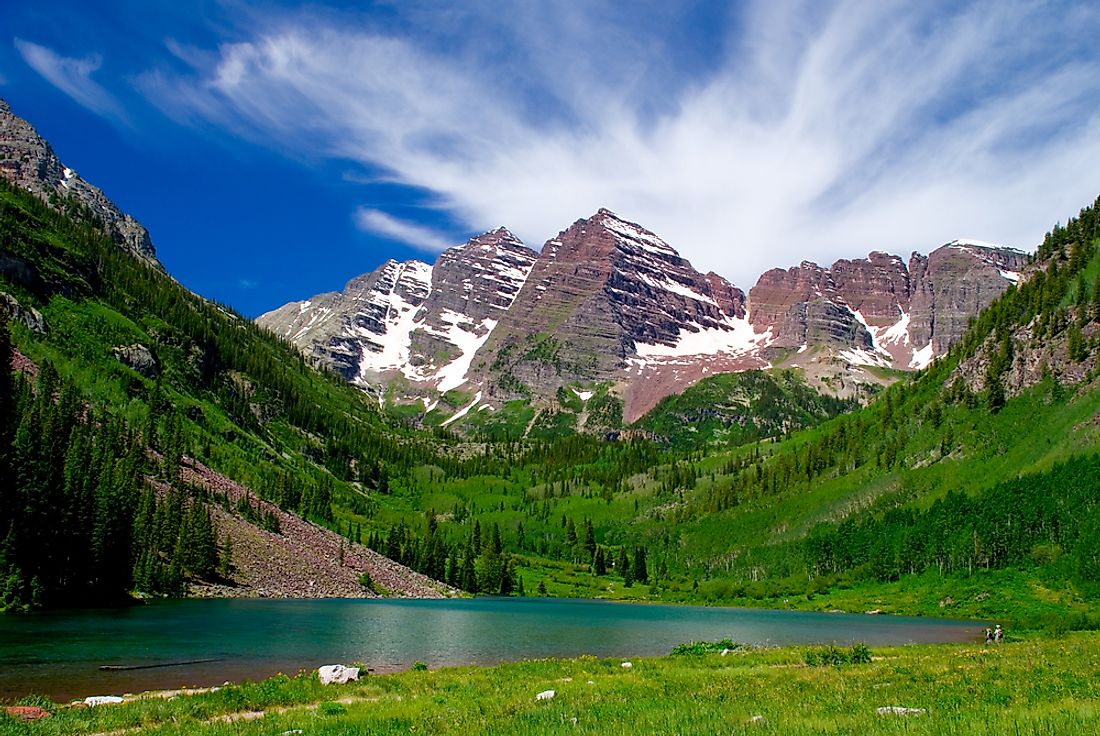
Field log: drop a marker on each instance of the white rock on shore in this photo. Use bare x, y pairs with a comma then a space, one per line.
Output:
337, 673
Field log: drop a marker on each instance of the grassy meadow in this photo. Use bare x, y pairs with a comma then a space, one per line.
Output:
1041, 685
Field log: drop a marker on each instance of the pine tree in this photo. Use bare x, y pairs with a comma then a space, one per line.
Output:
640, 566
589, 538
599, 563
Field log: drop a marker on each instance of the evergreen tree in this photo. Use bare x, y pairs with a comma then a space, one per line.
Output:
599, 563
640, 566
589, 538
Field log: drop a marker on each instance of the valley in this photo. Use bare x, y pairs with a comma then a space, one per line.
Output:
593, 420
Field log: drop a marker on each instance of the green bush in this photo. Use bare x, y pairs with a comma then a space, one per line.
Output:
832, 655
706, 647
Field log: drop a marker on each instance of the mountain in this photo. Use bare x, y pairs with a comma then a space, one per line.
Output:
28, 161
411, 320
609, 310
899, 316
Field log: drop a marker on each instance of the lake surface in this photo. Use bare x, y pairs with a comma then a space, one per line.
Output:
60, 653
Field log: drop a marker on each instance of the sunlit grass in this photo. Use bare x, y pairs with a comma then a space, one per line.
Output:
1041, 686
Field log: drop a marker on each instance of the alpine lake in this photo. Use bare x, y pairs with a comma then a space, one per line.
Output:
172, 644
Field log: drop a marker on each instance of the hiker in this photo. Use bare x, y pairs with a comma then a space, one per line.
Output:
988, 635
998, 634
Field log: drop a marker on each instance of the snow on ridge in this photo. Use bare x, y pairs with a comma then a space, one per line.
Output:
963, 242
966, 243
1013, 276
636, 235
584, 395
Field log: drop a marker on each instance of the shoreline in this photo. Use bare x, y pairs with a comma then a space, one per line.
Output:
187, 643
1040, 683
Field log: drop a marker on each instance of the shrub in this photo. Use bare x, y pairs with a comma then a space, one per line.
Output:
833, 655
705, 647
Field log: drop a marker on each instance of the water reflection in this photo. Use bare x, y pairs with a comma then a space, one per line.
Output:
60, 653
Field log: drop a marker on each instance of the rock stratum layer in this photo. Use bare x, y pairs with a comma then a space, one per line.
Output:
607, 303
28, 161
409, 322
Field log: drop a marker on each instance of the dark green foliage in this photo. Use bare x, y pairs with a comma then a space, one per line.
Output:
707, 647
997, 528
738, 408
80, 522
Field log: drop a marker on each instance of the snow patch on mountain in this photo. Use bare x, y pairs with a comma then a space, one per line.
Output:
882, 338
635, 235
463, 411
922, 358
389, 348
734, 337
468, 341
858, 356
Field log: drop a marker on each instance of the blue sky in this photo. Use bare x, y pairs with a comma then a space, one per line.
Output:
276, 150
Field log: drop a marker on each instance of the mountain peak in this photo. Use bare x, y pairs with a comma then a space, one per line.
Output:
29, 162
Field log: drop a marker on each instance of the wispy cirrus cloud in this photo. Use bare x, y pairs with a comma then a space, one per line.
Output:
73, 76
806, 130
418, 236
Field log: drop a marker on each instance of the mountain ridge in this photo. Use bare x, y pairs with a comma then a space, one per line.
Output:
29, 162
607, 302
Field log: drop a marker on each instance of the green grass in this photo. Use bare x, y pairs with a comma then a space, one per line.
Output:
1034, 686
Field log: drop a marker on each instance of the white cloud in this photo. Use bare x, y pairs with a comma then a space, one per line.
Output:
823, 132
72, 76
376, 221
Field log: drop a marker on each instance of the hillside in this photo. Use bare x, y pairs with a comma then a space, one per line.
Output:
733, 409
125, 373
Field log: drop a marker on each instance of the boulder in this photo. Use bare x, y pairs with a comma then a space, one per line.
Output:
337, 673
138, 357
626, 665
15, 312
545, 695
27, 712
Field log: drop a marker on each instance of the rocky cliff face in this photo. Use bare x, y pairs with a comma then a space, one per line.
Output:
28, 161
609, 304
606, 299
885, 312
410, 320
